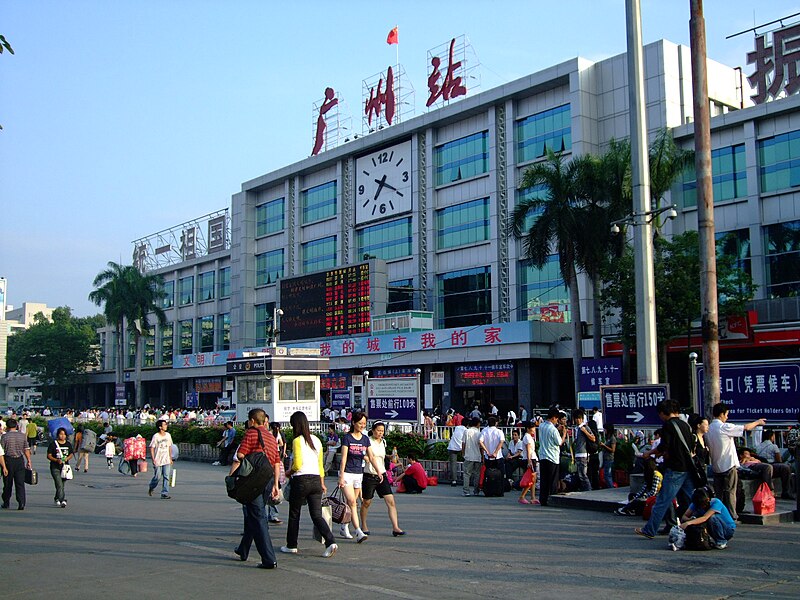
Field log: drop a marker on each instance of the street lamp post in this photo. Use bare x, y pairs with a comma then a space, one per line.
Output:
276, 312
646, 357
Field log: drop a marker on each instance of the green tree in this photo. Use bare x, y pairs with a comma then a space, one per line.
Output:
129, 298
677, 285
55, 353
560, 214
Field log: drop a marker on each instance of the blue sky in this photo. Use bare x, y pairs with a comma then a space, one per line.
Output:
125, 118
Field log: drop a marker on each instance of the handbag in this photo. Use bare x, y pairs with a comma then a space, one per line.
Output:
340, 510
328, 516
31, 477
66, 472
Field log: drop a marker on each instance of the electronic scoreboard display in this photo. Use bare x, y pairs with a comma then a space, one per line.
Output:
326, 304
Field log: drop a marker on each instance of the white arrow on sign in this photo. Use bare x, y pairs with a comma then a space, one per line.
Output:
637, 416
392, 414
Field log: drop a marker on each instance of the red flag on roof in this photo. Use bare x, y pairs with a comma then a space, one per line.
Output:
393, 37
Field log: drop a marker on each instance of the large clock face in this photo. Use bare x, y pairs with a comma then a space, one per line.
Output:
383, 183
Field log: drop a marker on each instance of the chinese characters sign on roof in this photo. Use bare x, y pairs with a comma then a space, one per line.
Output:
775, 65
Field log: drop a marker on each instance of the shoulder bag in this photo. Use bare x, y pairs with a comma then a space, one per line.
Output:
698, 476
340, 510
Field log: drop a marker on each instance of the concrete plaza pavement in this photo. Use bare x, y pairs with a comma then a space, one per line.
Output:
113, 540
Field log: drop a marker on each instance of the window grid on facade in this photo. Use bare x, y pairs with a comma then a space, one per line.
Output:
149, 359
166, 344
547, 130
782, 256
401, 295
269, 267
319, 254
779, 161
465, 298
206, 326
386, 241
225, 282
131, 351
205, 286
463, 158
735, 244
168, 300
263, 315
224, 331
542, 293
318, 202
729, 176
270, 217
186, 291
531, 193
187, 336
462, 224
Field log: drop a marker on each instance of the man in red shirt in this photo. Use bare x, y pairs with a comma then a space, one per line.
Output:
414, 479
258, 439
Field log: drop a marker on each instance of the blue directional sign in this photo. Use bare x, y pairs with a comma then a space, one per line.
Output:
600, 371
632, 405
758, 389
393, 399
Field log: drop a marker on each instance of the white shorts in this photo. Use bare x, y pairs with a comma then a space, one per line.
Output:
353, 479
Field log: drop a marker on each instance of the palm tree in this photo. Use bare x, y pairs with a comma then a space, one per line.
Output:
146, 296
111, 293
561, 216
129, 298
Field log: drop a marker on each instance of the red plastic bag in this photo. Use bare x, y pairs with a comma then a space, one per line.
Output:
763, 500
648, 507
481, 476
527, 479
433, 480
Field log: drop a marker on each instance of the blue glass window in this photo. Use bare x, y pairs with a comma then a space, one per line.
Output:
187, 336
462, 159
548, 130
542, 293
782, 256
186, 290
206, 326
319, 254
270, 217
224, 331
225, 282
269, 267
386, 240
729, 174
168, 301
166, 344
205, 286
779, 161
462, 224
318, 202
465, 298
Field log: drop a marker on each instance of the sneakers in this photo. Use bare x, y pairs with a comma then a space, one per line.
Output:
287, 550
216, 463
275, 521
524, 501
466, 493
720, 545
329, 551
344, 531
453, 483
57, 503
360, 536
63, 504
166, 497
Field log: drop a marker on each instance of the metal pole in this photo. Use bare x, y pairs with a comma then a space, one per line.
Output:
693, 382
646, 356
705, 208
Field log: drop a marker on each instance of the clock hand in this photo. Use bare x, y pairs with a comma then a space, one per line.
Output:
391, 187
381, 182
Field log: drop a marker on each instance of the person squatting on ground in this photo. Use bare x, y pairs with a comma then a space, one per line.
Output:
307, 485
414, 479
376, 481
711, 511
59, 453
356, 449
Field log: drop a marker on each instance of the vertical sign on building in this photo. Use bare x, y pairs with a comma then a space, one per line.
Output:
217, 234
140, 257
776, 65
450, 66
188, 244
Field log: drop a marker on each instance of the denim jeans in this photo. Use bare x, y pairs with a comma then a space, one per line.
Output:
256, 530
608, 474
163, 472
673, 483
719, 530
582, 464
306, 488
55, 473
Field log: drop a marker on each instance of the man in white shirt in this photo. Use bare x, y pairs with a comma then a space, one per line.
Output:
597, 417
492, 440
472, 455
523, 413
511, 418
453, 448
492, 409
724, 460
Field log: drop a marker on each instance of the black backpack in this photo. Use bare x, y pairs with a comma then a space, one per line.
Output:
592, 447
697, 538
252, 476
